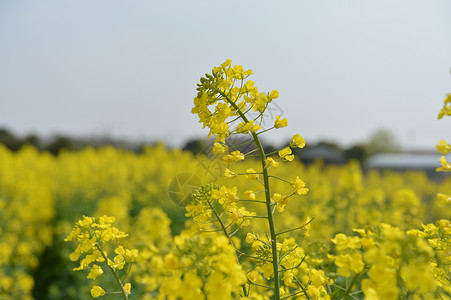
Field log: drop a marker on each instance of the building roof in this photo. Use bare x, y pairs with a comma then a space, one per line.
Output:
403, 161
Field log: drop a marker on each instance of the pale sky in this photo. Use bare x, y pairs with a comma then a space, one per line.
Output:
129, 69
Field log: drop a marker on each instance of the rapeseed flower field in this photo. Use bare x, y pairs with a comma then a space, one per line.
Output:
115, 224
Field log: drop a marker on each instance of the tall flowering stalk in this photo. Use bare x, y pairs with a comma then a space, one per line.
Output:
444, 148
228, 103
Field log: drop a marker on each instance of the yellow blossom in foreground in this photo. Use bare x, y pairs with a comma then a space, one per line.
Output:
446, 165
270, 162
127, 288
344, 242
280, 123
297, 141
349, 263
97, 291
250, 238
307, 226
286, 155
443, 147
367, 243
250, 195
225, 195
252, 175
219, 148
118, 263
229, 174
299, 186
443, 198
246, 127
131, 254
418, 276
86, 221
253, 127
369, 289
318, 277
281, 201
95, 272
241, 216
233, 157
446, 110
249, 86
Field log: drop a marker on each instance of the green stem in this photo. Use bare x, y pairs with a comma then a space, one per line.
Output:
307, 295
281, 179
351, 285
260, 132
118, 280
272, 227
257, 258
293, 229
249, 200
260, 285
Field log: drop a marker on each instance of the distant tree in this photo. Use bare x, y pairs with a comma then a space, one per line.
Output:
383, 141
59, 143
33, 140
268, 148
196, 146
357, 152
9, 140
329, 144
298, 152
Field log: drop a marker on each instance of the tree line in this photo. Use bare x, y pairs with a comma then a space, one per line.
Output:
382, 141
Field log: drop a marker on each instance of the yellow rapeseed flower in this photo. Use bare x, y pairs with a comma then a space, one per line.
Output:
282, 201
97, 291
274, 94
251, 174
219, 148
344, 242
280, 123
270, 162
286, 155
249, 195
446, 165
229, 174
297, 141
235, 156
127, 288
250, 238
299, 186
349, 263
443, 147
95, 272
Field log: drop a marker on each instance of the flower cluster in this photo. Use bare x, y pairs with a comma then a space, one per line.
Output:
210, 200
91, 236
27, 213
300, 273
388, 261
231, 96
201, 267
